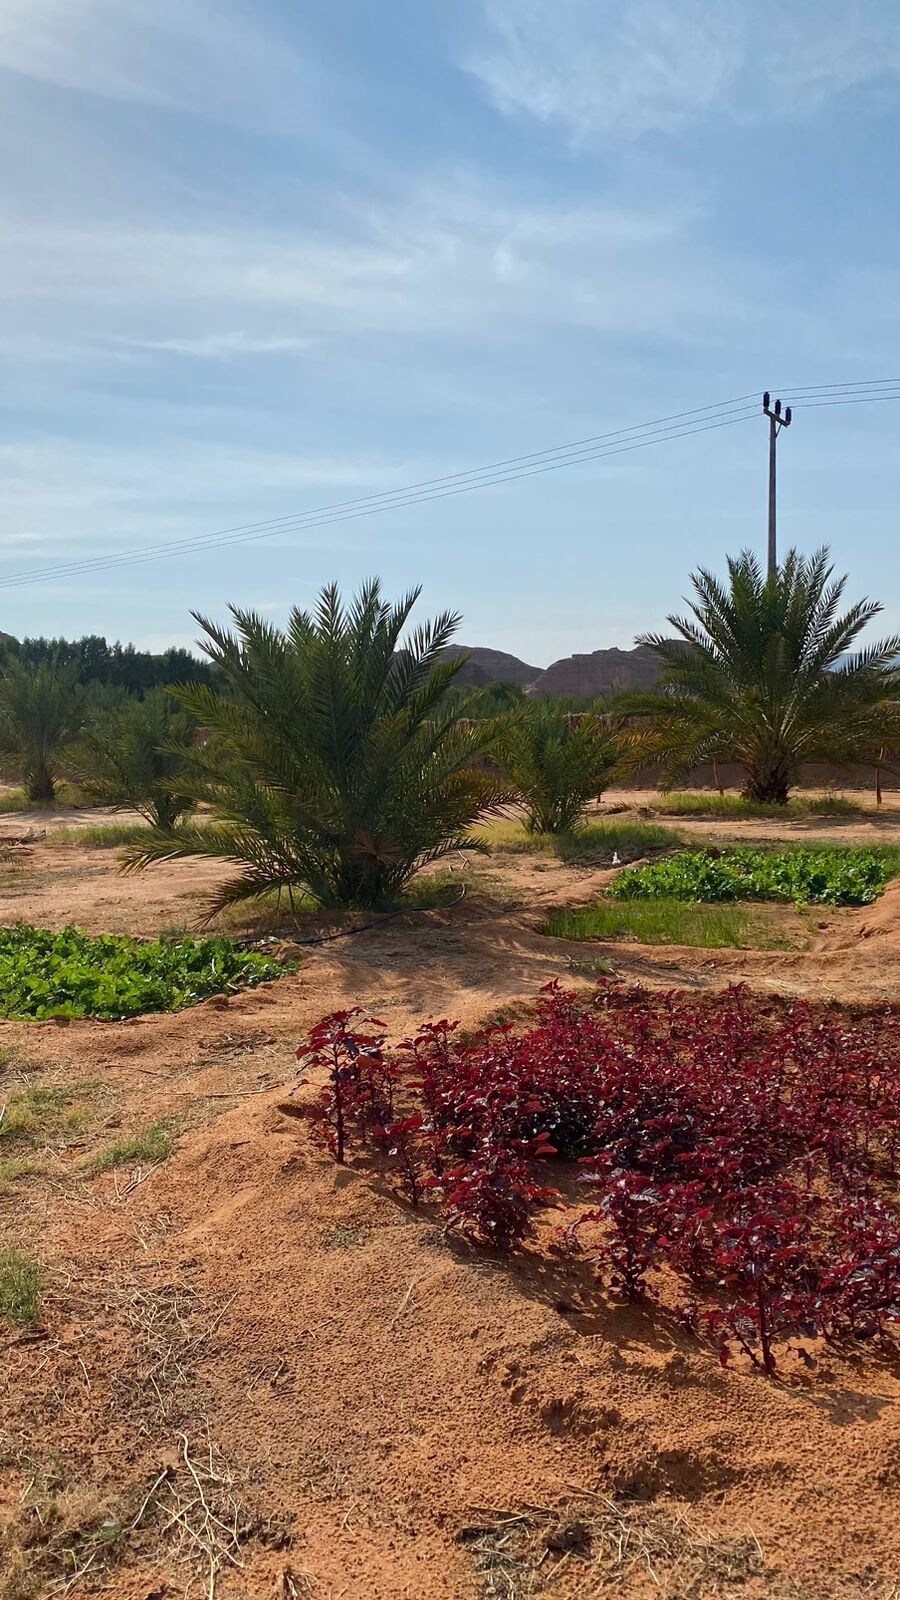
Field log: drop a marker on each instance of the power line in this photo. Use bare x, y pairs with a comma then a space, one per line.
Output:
388, 499
103, 563
276, 523
594, 447
861, 400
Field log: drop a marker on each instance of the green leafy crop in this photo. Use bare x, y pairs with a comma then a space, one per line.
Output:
808, 874
71, 974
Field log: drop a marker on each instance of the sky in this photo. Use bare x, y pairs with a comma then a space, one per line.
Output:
262, 256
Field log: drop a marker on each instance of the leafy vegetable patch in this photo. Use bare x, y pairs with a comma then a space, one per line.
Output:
804, 875
71, 974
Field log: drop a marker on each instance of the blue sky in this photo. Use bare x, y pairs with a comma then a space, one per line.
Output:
258, 257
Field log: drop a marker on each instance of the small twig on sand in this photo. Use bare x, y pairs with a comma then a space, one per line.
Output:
404, 1302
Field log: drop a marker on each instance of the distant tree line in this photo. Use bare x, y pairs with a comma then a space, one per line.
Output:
93, 660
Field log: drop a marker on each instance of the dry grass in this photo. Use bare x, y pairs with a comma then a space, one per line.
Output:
594, 842
59, 1535
39, 1114
99, 836
595, 1546
12, 1168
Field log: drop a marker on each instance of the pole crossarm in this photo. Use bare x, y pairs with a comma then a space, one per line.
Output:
780, 416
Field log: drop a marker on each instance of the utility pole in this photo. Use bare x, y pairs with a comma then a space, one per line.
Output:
778, 419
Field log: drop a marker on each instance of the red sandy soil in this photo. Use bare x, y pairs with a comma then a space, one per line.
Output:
378, 1396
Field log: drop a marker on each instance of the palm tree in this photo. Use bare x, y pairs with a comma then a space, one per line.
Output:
333, 764
136, 754
556, 762
762, 675
42, 710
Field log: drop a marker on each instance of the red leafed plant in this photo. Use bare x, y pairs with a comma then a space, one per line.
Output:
358, 1093
634, 1207
762, 1256
749, 1146
859, 1293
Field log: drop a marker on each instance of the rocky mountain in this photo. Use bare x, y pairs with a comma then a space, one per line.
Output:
491, 666
602, 672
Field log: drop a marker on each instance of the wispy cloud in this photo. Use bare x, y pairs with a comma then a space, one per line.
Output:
218, 346
64, 499
213, 57
447, 261
600, 69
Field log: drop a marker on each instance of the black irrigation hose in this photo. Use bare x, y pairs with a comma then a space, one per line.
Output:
364, 927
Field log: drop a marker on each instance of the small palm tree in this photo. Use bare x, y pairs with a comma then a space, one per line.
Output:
136, 753
335, 763
556, 762
42, 710
762, 675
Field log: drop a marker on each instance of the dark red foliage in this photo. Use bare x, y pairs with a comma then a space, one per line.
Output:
750, 1147
635, 1207
762, 1255
494, 1192
359, 1089
859, 1292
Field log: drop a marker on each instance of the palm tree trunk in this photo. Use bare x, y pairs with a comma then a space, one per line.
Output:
768, 785
39, 783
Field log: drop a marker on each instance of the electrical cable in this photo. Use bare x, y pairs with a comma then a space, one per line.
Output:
593, 447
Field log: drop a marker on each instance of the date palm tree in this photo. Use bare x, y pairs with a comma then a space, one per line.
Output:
335, 763
763, 674
42, 710
556, 762
135, 753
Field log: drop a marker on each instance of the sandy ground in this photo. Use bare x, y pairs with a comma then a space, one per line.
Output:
367, 1402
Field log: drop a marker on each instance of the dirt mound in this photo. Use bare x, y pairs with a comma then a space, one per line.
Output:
387, 1400
372, 1410
879, 922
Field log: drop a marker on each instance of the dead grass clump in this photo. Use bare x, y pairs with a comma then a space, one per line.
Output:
58, 1534
595, 1546
43, 1114
201, 1512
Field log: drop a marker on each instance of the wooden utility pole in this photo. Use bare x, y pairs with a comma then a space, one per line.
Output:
778, 418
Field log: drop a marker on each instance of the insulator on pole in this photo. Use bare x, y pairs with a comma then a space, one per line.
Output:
787, 415
766, 398
778, 408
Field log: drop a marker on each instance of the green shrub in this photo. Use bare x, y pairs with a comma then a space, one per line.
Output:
20, 1288
806, 874
699, 803
71, 974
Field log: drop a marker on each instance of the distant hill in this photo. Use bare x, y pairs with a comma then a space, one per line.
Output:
602, 672
491, 666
